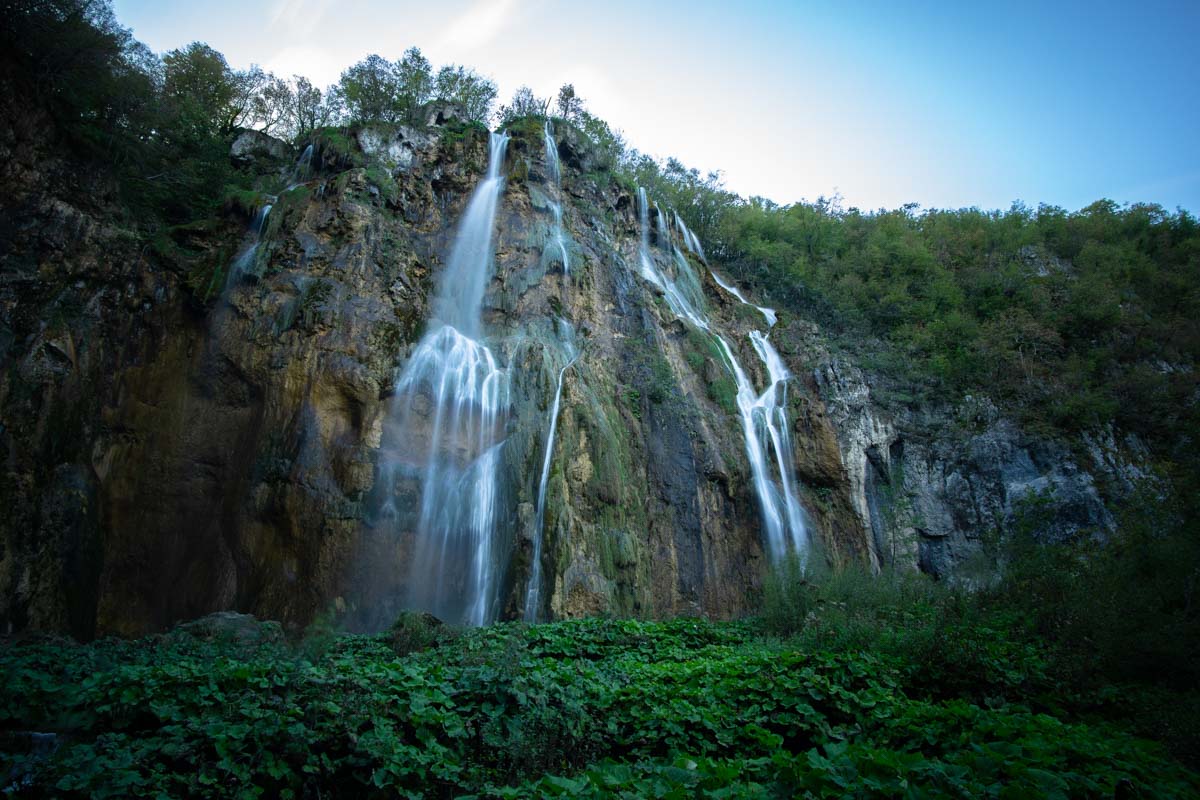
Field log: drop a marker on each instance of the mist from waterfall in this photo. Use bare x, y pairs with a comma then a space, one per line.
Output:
446, 428
764, 416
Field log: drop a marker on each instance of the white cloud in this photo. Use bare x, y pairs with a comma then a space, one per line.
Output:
479, 24
298, 17
317, 64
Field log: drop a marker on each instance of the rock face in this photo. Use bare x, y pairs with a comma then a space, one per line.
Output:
930, 501
251, 146
173, 448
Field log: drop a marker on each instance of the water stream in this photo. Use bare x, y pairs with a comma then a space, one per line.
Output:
245, 259
554, 168
446, 427
764, 416
533, 593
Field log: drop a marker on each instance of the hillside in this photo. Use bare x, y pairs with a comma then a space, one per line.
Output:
473, 403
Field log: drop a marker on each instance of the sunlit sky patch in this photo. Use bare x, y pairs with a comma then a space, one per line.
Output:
943, 104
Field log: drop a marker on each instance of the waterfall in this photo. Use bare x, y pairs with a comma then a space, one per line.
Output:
680, 304
769, 313
765, 425
553, 165
245, 259
303, 169
662, 230
304, 163
690, 240
446, 427
554, 169
764, 416
533, 594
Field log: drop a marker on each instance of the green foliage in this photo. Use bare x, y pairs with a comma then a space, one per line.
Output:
244, 202
371, 90
1057, 316
1067, 320
87, 72
382, 180
454, 133
723, 390
524, 104
1121, 618
590, 708
633, 401
475, 94
376, 90
413, 632
207, 99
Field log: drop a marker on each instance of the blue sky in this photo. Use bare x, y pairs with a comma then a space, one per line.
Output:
945, 104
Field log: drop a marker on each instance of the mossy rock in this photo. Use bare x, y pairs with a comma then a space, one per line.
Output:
528, 127
336, 149
454, 133
243, 202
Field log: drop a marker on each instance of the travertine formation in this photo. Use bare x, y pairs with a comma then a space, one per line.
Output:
176, 443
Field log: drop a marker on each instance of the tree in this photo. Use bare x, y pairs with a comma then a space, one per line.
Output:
569, 105
609, 144
310, 109
414, 79
273, 107
524, 104
71, 58
475, 93
198, 90
370, 91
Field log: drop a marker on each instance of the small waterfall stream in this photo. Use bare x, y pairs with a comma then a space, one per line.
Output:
447, 423
303, 169
764, 416
533, 593
245, 259
769, 313
677, 300
690, 240
554, 168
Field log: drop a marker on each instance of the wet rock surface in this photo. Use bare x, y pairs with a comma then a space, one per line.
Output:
169, 452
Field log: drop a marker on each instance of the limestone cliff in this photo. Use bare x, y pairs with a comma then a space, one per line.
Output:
181, 437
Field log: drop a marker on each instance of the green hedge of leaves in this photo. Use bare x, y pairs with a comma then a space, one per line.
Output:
595, 708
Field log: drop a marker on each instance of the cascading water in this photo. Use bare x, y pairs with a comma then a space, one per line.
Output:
662, 228
446, 427
554, 168
769, 313
552, 163
533, 593
765, 424
303, 169
680, 304
690, 240
245, 259
764, 417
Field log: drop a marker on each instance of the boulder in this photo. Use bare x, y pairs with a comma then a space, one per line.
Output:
250, 147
